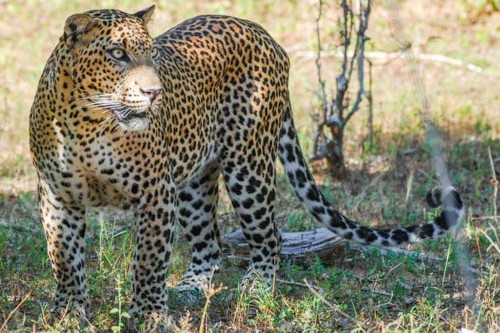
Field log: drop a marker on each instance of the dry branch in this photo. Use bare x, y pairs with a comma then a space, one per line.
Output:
18, 227
493, 182
334, 307
16, 308
336, 111
390, 56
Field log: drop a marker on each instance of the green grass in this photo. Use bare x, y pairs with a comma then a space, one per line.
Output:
361, 291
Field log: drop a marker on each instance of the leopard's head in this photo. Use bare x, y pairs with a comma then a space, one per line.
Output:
112, 57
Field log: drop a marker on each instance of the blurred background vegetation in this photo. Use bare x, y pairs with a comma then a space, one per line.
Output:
465, 103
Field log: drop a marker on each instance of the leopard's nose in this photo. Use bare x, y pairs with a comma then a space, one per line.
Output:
151, 93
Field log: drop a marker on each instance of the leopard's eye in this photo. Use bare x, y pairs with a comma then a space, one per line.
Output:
119, 54
154, 53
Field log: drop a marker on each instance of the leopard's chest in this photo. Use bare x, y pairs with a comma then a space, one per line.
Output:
112, 170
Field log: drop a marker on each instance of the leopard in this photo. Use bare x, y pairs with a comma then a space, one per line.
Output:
151, 124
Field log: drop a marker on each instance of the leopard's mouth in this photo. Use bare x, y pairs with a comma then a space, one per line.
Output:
128, 115
131, 120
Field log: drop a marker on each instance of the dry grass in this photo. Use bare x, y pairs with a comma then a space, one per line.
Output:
361, 292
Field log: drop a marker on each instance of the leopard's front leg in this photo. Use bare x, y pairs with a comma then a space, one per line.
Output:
64, 227
153, 247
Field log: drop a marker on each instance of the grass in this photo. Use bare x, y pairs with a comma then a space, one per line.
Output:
362, 291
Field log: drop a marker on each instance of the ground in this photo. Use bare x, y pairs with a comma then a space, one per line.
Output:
359, 290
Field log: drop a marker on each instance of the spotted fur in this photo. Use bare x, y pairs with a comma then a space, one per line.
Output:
123, 119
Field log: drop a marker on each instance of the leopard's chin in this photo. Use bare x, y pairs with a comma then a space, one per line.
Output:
134, 123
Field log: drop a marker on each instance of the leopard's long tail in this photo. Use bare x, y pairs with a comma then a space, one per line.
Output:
299, 175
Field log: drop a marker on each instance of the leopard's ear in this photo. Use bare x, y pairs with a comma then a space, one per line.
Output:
146, 14
77, 30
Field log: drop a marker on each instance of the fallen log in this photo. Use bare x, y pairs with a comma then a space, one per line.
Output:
298, 248
301, 248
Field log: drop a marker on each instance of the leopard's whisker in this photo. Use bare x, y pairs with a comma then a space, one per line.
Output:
97, 96
107, 120
103, 103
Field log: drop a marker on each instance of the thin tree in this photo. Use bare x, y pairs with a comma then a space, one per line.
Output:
336, 111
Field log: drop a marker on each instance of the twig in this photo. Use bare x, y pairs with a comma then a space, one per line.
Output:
493, 244
321, 81
494, 183
360, 47
426, 174
391, 56
448, 253
388, 251
369, 97
361, 196
4, 223
342, 80
25, 298
482, 218
296, 284
393, 269
379, 292
409, 184
319, 134
209, 292
330, 305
